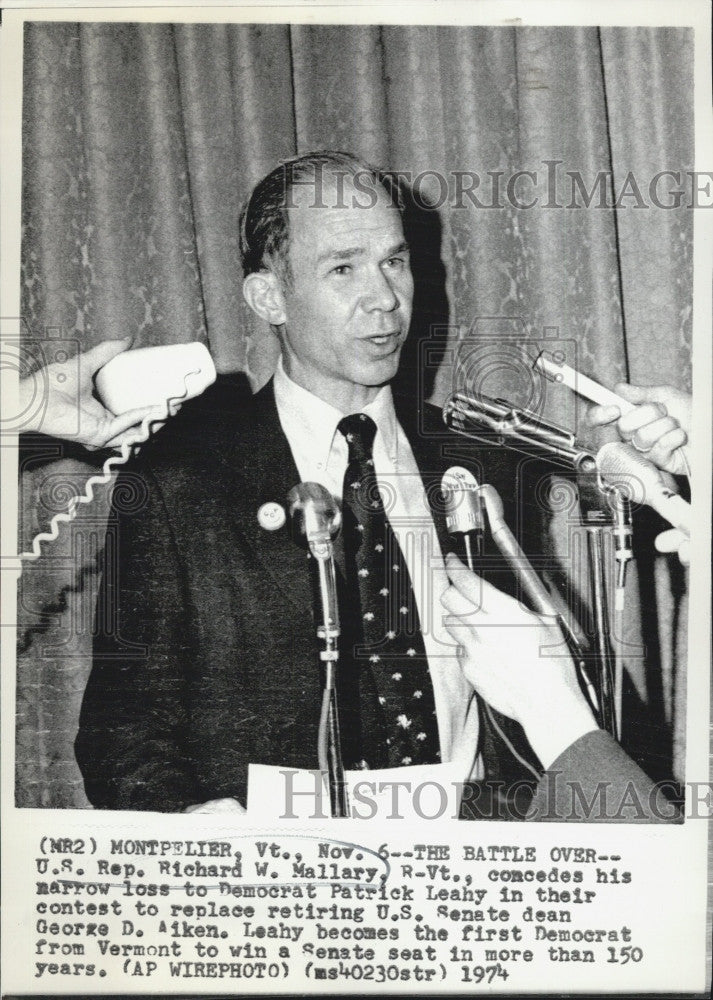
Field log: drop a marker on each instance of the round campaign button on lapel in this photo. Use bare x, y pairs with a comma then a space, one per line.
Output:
271, 516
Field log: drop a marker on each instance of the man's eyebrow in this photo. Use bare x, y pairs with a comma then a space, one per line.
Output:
347, 253
401, 247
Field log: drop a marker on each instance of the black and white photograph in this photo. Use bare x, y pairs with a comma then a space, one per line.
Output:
361, 376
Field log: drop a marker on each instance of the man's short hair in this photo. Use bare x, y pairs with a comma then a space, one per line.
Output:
264, 220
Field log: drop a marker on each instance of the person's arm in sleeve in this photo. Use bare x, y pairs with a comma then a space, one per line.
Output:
594, 780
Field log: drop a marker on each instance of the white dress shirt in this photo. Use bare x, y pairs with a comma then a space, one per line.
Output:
321, 455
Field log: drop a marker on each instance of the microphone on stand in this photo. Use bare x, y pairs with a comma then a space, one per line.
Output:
495, 421
621, 466
623, 533
315, 518
463, 510
618, 471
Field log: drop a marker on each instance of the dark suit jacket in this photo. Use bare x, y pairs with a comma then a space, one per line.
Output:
206, 653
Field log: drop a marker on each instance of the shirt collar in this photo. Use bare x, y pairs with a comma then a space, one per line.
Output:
312, 419
381, 411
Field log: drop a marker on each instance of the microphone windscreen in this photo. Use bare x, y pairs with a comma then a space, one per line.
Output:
622, 466
462, 503
313, 511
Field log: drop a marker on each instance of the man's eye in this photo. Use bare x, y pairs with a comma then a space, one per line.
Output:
341, 269
395, 262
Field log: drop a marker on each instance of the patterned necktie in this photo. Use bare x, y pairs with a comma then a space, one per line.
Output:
393, 648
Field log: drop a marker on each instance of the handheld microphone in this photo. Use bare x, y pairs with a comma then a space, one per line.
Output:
315, 518
622, 466
463, 509
558, 371
510, 549
534, 588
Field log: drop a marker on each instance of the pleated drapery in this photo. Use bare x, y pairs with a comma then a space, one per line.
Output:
140, 143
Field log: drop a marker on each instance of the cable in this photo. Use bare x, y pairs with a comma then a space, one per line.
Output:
104, 478
618, 659
322, 733
508, 744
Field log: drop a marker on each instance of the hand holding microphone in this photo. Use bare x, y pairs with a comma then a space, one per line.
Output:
465, 500
622, 466
657, 423
656, 420
69, 399
514, 672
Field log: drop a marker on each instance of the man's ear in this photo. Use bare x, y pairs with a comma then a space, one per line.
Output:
262, 291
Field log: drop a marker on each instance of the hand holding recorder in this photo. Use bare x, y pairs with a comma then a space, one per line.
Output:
116, 390
69, 396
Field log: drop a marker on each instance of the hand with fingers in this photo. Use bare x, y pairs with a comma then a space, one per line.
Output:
517, 661
72, 397
217, 807
675, 540
658, 426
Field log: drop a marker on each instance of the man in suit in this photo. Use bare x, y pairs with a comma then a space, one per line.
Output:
206, 657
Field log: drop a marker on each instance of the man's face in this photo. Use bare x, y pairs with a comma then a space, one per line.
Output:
348, 304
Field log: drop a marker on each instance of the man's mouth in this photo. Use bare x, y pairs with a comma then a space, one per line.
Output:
382, 339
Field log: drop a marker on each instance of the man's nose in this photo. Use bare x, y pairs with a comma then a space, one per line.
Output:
380, 293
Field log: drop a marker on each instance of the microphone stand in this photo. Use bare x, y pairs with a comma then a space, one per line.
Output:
602, 645
315, 518
330, 746
605, 507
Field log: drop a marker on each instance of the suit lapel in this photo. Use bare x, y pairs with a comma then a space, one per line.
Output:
267, 473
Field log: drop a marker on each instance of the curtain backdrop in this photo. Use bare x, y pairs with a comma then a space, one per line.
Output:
141, 141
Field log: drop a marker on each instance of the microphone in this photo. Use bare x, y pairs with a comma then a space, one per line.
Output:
495, 421
487, 420
463, 509
509, 547
622, 466
535, 590
315, 518
623, 541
